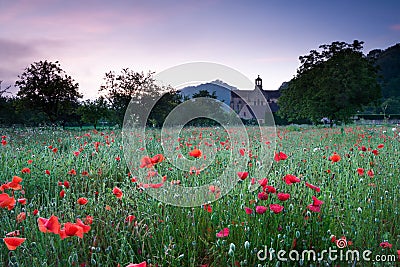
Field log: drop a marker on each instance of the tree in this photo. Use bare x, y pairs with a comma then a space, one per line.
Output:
44, 86
138, 87
92, 111
334, 83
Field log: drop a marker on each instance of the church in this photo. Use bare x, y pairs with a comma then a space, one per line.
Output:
253, 104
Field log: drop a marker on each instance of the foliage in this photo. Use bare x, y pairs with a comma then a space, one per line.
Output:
46, 87
335, 83
91, 111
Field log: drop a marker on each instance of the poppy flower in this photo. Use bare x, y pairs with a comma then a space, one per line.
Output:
21, 217
6, 201
22, 201
276, 208
248, 210
3, 142
88, 219
375, 152
71, 229
157, 159
50, 225
55, 150
72, 172
85, 228
13, 233
35, 212
335, 157
380, 146
263, 182
196, 153
316, 201
66, 184
360, 171
313, 187
13, 242
117, 192
208, 208
290, 179
270, 189
142, 264
62, 194
370, 173
316, 205
283, 196
242, 151
26, 170
280, 156
262, 196
243, 175
146, 162
130, 218
47, 172
223, 233
82, 201
261, 209
385, 245
15, 183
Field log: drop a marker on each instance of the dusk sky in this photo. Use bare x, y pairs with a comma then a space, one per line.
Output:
90, 38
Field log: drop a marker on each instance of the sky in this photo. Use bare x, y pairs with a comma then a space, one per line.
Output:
266, 38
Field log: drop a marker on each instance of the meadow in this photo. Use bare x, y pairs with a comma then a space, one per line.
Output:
68, 198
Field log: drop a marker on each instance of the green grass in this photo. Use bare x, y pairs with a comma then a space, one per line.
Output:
362, 208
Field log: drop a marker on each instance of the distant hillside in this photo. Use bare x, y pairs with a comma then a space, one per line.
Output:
222, 90
388, 61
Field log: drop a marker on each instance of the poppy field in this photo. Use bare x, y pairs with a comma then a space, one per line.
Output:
68, 198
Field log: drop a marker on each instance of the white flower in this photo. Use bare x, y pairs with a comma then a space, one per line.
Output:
359, 209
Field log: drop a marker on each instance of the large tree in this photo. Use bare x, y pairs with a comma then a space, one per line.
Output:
138, 87
92, 111
45, 87
335, 83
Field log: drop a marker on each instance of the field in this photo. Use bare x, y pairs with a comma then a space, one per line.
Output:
78, 204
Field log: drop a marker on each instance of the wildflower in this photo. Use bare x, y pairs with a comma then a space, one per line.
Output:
13, 242
223, 233
283, 196
142, 264
22, 201
280, 156
157, 159
196, 153
82, 201
248, 210
262, 196
130, 218
146, 162
26, 170
261, 209
243, 175
360, 171
50, 225
117, 192
335, 157
370, 173
21, 217
6, 201
385, 245
290, 179
313, 187
72, 172
276, 208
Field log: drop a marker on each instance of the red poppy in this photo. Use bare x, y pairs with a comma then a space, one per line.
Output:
55, 150
50, 225
156, 185
248, 210
26, 170
290, 179
157, 159
47, 172
117, 192
62, 194
142, 264
270, 189
3, 142
283, 196
14, 184
85, 228
242, 151
22, 201
316, 201
208, 208
375, 152
82, 201
280, 156
35, 212
72, 172
380, 146
196, 153
370, 173
263, 182
223, 233
316, 205
335, 157
261, 209
313, 187
276, 208
243, 175
13, 233
146, 162
13, 242
385, 245
88, 219
71, 229
6, 201
360, 171
262, 196
130, 218
21, 217
29, 161
66, 184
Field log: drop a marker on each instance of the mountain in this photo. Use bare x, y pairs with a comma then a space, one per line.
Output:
221, 89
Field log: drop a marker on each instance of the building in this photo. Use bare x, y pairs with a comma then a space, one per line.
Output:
253, 104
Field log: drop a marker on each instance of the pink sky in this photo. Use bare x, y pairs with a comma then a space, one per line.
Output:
90, 38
